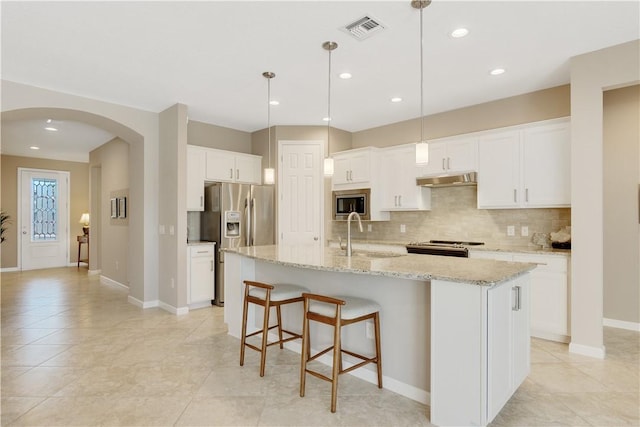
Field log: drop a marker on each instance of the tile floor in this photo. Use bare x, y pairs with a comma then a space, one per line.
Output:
75, 352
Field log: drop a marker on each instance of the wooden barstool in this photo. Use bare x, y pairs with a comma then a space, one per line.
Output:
268, 296
337, 311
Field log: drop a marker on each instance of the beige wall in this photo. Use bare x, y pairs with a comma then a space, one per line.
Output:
621, 126
531, 107
173, 208
79, 200
140, 129
591, 74
212, 136
111, 162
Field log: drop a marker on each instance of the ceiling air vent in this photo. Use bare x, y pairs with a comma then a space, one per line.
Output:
364, 27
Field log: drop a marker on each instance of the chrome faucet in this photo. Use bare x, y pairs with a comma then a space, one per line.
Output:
351, 215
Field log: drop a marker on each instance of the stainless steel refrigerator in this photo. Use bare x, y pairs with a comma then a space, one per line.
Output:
236, 215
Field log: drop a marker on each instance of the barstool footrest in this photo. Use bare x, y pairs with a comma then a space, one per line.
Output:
315, 356
318, 375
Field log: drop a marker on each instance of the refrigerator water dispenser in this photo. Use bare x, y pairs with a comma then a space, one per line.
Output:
232, 224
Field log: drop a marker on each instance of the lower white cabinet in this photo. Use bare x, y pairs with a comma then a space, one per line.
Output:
508, 342
550, 292
201, 274
480, 348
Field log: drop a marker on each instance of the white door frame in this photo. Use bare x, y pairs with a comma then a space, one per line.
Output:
321, 144
63, 221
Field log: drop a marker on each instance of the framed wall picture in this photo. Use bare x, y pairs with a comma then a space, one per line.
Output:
114, 208
122, 207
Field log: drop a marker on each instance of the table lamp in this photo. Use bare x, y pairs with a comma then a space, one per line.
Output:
84, 220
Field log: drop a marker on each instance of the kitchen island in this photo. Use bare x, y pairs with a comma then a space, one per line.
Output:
455, 331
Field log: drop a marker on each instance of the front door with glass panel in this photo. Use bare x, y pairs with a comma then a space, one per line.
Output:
44, 218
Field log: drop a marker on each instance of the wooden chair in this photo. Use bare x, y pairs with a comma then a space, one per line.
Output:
337, 311
268, 296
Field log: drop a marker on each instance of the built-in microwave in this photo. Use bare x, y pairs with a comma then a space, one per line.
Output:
347, 201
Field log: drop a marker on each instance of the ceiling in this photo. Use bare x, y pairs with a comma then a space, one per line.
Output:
210, 55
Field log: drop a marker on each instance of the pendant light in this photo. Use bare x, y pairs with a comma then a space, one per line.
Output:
269, 173
328, 161
422, 147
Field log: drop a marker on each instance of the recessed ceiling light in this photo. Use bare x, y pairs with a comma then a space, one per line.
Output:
48, 120
497, 71
326, 119
396, 99
459, 32
33, 147
345, 76
274, 102
50, 128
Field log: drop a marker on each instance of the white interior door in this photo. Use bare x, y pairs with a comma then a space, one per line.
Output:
44, 218
300, 185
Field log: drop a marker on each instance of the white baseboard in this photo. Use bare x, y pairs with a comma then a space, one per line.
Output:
622, 324
94, 272
367, 375
550, 336
142, 304
107, 281
173, 310
587, 350
8, 269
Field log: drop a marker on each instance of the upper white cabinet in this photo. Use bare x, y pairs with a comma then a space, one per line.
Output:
451, 155
229, 166
526, 167
352, 168
195, 178
399, 173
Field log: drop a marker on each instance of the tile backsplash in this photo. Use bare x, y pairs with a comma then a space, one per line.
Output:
454, 215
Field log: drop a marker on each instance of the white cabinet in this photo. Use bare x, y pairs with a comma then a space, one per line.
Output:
508, 342
452, 155
550, 299
200, 275
550, 292
480, 346
525, 167
398, 186
229, 166
352, 168
195, 178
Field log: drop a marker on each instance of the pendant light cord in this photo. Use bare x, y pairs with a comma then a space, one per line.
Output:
269, 116
421, 82
329, 110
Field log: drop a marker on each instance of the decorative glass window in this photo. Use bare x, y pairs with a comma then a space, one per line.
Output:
44, 198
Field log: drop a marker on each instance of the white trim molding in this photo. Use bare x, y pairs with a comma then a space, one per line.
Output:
621, 324
9, 269
586, 350
173, 310
142, 304
106, 281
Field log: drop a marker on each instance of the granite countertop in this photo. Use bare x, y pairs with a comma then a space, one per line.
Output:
199, 242
480, 272
528, 249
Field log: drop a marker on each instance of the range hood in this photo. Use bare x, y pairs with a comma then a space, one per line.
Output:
449, 180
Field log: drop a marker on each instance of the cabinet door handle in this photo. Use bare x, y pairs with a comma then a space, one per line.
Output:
395, 201
231, 173
515, 195
400, 200
448, 162
526, 195
237, 173
350, 175
517, 305
443, 166
211, 265
346, 173
201, 201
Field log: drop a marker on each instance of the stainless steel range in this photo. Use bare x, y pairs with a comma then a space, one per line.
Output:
442, 247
